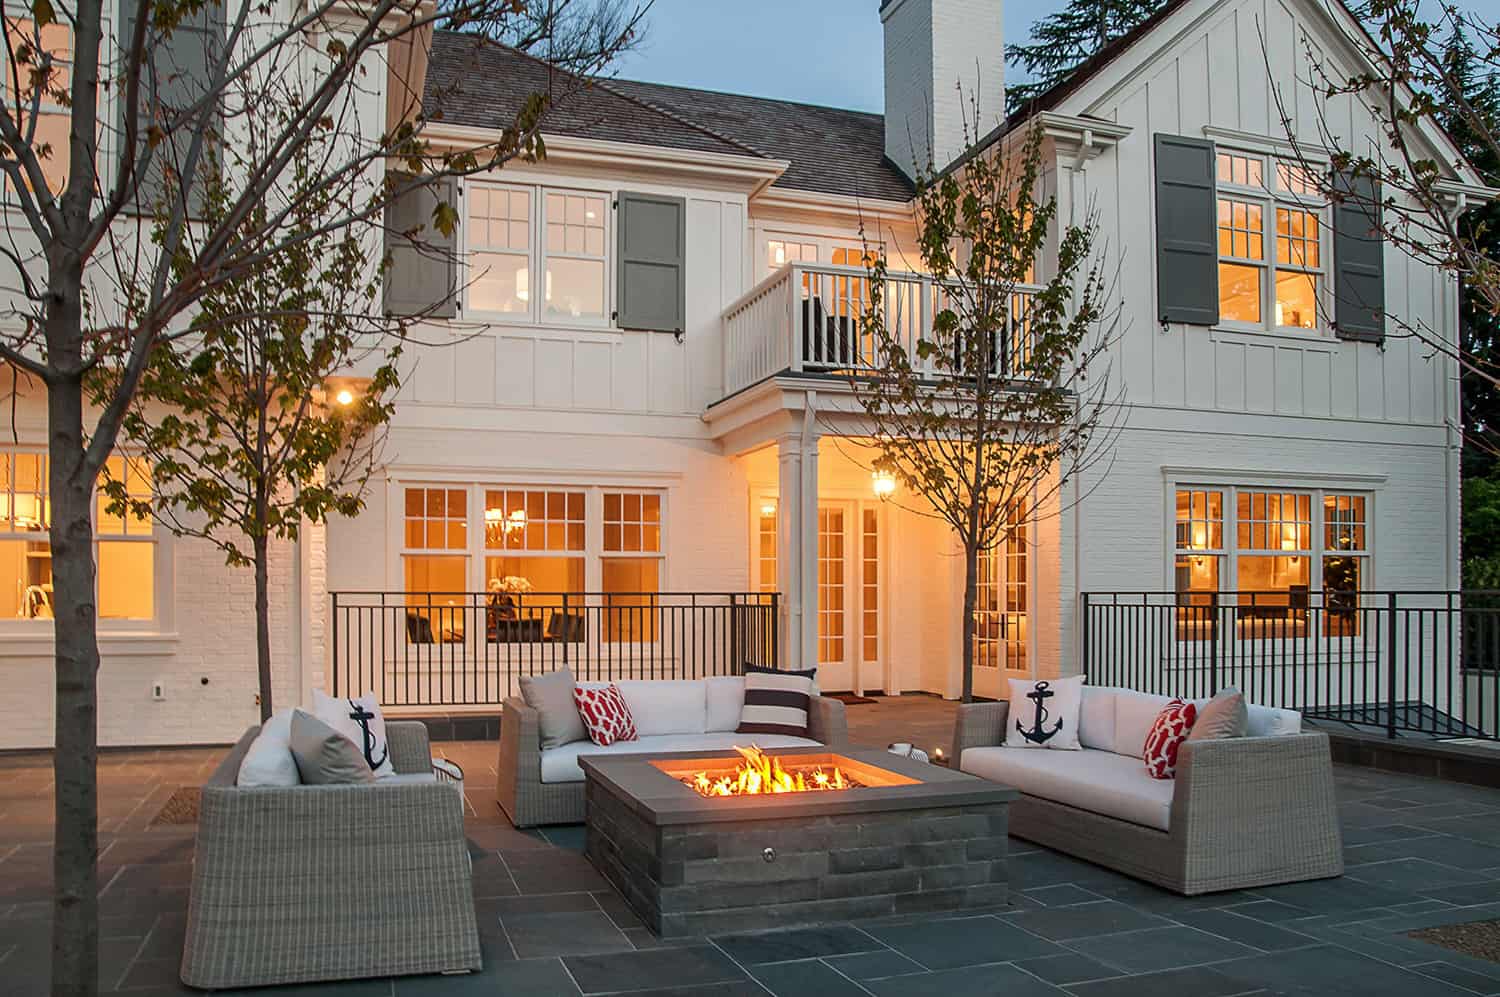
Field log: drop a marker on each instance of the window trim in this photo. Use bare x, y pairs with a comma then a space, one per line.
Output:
1270, 198
536, 257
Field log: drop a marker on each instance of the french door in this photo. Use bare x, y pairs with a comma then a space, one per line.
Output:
849, 596
1002, 610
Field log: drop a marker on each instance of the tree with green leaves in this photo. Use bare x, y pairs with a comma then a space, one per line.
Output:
1005, 399
1063, 41
108, 264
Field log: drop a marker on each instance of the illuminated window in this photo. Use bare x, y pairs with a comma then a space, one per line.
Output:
630, 569
127, 550
1273, 283
780, 252
574, 256
500, 249
25, 82
869, 583
1345, 556
766, 548
543, 532
435, 563
830, 584
1001, 598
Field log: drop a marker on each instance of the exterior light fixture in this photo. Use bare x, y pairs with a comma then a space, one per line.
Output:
345, 397
883, 483
768, 508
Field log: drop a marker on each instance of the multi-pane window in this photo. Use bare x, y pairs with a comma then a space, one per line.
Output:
780, 252
869, 583
435, 563
830, 584
630, 567
574, 255
508, 247
1269, 279
25, 82
536, 536
766, 548
1278, 546
1001, 597
500, 249
124, 549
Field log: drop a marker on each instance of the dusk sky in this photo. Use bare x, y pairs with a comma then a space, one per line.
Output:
818, 51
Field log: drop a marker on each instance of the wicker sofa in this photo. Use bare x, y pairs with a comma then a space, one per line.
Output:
546, 787
1241, 812
330, 882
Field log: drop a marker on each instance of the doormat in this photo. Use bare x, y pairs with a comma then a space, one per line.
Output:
1480, 939
849, 698
181, 807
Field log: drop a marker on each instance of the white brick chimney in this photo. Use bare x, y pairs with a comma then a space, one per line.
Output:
939, 56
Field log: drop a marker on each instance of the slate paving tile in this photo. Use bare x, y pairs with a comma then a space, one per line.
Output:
544, 903
1159, 948
521, 978
753, 948
1383, 945
975, 981
1061, 895
1356, 836
1245, 930
1101, 918
1458, 853
1468, 894
563, 933
947, 944
1459, 977
1409, 875
1200, 981
572, 838
872, 965
809, 978
618, 910
1326, 896
554, 872
1328, 971
1067, 968
745, 988
670, 966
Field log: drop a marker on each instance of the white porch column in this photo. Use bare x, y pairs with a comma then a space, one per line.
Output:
797, 548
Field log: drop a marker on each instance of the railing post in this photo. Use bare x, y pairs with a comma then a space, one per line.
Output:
1390, 667
795, 316
1085, 654
566, 629
1213, 644
334, 657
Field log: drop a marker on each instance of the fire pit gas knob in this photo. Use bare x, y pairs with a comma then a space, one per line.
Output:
769, 854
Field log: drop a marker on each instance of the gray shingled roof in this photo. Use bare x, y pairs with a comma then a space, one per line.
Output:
473, 81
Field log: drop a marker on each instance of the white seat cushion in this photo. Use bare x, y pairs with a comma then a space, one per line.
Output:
1101, 782
1096, 718
726, 700
560, 764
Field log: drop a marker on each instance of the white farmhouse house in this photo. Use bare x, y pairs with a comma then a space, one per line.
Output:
630, 445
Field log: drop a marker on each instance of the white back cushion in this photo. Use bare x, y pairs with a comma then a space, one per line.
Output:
726, 699
1135, 712
561, 764
1268, 720
667, 706
269, 760
1096, 719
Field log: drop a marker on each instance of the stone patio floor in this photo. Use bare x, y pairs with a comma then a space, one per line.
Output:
1419, 853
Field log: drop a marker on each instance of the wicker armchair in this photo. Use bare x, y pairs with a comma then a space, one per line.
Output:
330, 882
528, 801
1246, 812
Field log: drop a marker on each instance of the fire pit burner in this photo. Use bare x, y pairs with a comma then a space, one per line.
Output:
760, 774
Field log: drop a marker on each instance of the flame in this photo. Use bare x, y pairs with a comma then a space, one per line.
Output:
760, 774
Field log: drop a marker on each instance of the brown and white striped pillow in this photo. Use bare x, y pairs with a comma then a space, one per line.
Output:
776, 702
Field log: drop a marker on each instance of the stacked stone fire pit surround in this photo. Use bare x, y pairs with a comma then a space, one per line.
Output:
912, 838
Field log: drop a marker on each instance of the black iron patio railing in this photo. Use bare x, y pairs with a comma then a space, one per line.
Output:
1397, 663
472, 648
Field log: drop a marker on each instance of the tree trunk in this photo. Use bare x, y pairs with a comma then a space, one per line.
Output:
75, 853
262, 623
971, 590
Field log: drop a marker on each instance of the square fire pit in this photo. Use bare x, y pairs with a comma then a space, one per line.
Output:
903, 837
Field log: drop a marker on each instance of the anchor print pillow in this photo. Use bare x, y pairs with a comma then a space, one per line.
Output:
361, 722
1173, 725
1044, 713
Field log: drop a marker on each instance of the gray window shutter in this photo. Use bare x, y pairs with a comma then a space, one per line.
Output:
175, 74
1358, 259
1187, 253
652, 243
422, 280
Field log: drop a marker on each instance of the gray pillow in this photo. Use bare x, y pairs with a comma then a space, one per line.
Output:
324, 756
1223, 716
551, 695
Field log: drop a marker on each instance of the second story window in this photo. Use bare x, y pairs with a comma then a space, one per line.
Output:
1271, 228
537, 254
24, 81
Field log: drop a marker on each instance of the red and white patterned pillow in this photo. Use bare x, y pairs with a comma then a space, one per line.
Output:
1172, 726
605, 715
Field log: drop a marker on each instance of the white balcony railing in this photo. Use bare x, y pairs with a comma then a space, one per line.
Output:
808, 318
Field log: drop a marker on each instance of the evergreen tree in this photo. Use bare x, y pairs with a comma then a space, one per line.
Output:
1061, 42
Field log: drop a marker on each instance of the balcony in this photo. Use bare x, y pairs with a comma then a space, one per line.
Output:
807, 319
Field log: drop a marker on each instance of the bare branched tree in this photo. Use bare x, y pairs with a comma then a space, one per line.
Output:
110, 121
1006, 398
1428, 66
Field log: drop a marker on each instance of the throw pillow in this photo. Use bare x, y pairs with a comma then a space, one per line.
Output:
1044, 714
776, 702
1172, 727
551, 695
269, 760
361, 722
324, 756
1223, 716
604, 714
